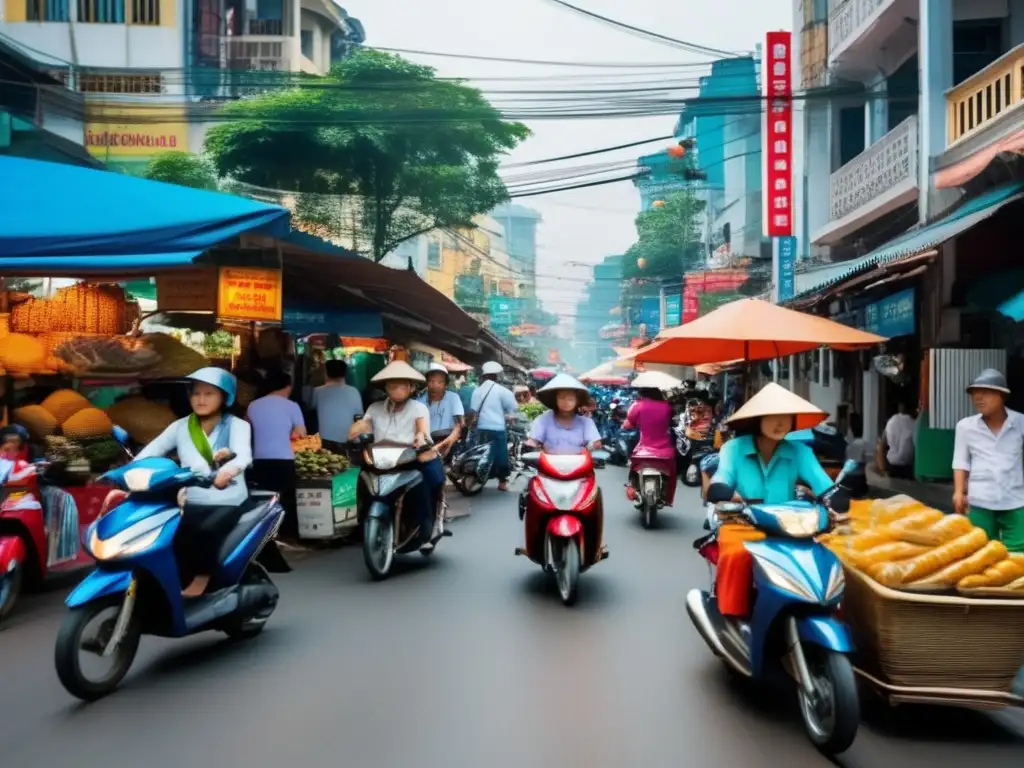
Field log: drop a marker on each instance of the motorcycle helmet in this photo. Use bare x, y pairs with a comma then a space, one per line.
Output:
437, 368
491, 368
219, 378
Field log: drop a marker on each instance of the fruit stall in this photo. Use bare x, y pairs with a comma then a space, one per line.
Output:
325, 491
936, 609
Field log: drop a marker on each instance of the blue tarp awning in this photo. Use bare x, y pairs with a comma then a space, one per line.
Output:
60, 219
916, 241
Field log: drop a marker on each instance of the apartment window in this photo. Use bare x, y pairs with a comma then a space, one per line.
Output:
851, 134
903, 87
117, 83
101, 11
976, 44
47, 10
434, 255
306, 43
146, 12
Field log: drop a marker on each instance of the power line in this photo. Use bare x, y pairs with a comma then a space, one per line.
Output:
692, 47
542, 62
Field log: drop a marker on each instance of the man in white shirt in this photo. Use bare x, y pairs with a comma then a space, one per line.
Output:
988, 463
493, 404
899, 440
338, 405
444, 406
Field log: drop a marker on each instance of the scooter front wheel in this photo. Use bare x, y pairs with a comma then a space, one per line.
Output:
567, 570
10, 587
70, 649
378, 547
468, 485
832, 716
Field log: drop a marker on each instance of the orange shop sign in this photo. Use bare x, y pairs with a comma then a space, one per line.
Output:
190, 290
249, 294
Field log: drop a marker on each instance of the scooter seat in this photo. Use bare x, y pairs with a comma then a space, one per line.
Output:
255, 511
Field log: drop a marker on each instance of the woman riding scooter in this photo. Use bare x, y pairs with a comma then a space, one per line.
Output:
401, 419
762, 466
562, 430
651, 414
210, 513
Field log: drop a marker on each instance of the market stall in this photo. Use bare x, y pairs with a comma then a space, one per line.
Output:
934, 606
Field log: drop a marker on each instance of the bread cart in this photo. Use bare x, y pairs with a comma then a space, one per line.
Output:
947, 650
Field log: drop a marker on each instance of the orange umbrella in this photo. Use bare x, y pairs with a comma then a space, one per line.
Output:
750, 330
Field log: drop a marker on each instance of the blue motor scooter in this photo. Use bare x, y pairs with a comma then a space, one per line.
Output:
798, 585
136, 588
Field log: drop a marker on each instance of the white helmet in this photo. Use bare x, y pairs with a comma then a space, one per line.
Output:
492, 368
436, 368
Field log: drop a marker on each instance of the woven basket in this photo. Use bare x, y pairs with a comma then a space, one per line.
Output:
932, 641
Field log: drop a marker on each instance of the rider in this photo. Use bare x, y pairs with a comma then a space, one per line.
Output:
14, 443
444, 407
209, 514
562, 430
760, 465
493, 404
401, 419
651, 414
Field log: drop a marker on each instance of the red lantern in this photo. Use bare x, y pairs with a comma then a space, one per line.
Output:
676, 151
658, 204
641, 263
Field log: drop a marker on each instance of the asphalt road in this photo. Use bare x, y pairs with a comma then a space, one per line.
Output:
464, 660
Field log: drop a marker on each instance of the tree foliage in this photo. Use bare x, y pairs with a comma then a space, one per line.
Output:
669, 239
182, 168
417, 152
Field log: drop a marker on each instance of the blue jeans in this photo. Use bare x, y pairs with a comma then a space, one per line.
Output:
499, 452
433, 479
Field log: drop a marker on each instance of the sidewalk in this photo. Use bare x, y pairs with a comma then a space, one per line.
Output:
937, 495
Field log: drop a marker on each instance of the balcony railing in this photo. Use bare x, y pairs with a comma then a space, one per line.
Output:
846, 16
979, 100
881, 168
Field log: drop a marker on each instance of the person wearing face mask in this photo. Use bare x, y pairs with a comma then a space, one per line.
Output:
761, 466
403, 419
209, 514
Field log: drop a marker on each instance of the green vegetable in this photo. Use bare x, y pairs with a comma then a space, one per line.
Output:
532, 410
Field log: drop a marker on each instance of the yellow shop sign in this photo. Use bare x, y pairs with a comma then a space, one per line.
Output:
249, 294
132, 130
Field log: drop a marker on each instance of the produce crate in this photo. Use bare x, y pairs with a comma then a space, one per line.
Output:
929, 641
327, 508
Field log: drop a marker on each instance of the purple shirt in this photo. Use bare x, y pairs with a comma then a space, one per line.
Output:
563, 439
273, 418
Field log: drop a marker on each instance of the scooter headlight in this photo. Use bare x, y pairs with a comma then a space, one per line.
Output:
138, 479
132, 540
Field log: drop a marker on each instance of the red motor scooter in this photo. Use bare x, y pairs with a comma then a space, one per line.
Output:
41, 530
564, 516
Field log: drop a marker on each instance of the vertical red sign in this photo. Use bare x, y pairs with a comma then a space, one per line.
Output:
778, 137
691, 300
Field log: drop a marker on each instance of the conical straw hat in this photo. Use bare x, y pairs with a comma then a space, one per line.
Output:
774, 400
548, 394
398, 370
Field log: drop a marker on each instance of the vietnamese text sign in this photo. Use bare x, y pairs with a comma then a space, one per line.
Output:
673, 310
778, 135
786, 275
131, 130
892, 316
190, 290
249, 294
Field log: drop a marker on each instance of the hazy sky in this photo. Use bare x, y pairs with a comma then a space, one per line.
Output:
588, 224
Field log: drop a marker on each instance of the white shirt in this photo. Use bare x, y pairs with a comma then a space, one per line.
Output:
443, 412
175, 439
337, 406
397, 426
899, 435
995, 462
492, 402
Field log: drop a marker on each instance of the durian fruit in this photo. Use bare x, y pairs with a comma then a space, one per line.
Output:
64, 403
143, 419
88, 423
37, 420
22, 354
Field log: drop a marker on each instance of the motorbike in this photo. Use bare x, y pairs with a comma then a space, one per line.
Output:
648, 486
563, 513
137, 584
388, 472
695, 438
798, 585
40, 530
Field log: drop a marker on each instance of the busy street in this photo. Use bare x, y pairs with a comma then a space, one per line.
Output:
466, 658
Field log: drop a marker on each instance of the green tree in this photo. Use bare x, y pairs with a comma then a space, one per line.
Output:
182, 168
669, 239
417, 152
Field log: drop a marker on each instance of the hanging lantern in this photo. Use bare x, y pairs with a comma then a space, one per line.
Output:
676, 151
658, 204
641, 263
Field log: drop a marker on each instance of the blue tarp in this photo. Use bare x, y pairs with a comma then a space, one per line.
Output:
60, 218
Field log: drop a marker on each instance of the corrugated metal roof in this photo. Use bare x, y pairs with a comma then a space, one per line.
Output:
910, 243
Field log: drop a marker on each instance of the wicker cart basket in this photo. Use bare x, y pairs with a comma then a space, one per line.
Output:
929, 641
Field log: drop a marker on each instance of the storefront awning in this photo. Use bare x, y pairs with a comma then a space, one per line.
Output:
914, 242
67, 220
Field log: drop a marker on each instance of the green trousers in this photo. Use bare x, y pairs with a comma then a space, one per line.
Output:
1005, 525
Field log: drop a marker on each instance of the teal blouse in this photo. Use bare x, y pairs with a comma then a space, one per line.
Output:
741, 468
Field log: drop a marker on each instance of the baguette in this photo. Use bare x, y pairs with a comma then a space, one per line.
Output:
945, 529
917, 568
890, 552
998, 575
951, 575
923, 518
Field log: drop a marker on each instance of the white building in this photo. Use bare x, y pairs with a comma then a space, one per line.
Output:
143, 64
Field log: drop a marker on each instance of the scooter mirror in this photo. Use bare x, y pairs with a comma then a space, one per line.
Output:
719, 492
121, 435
